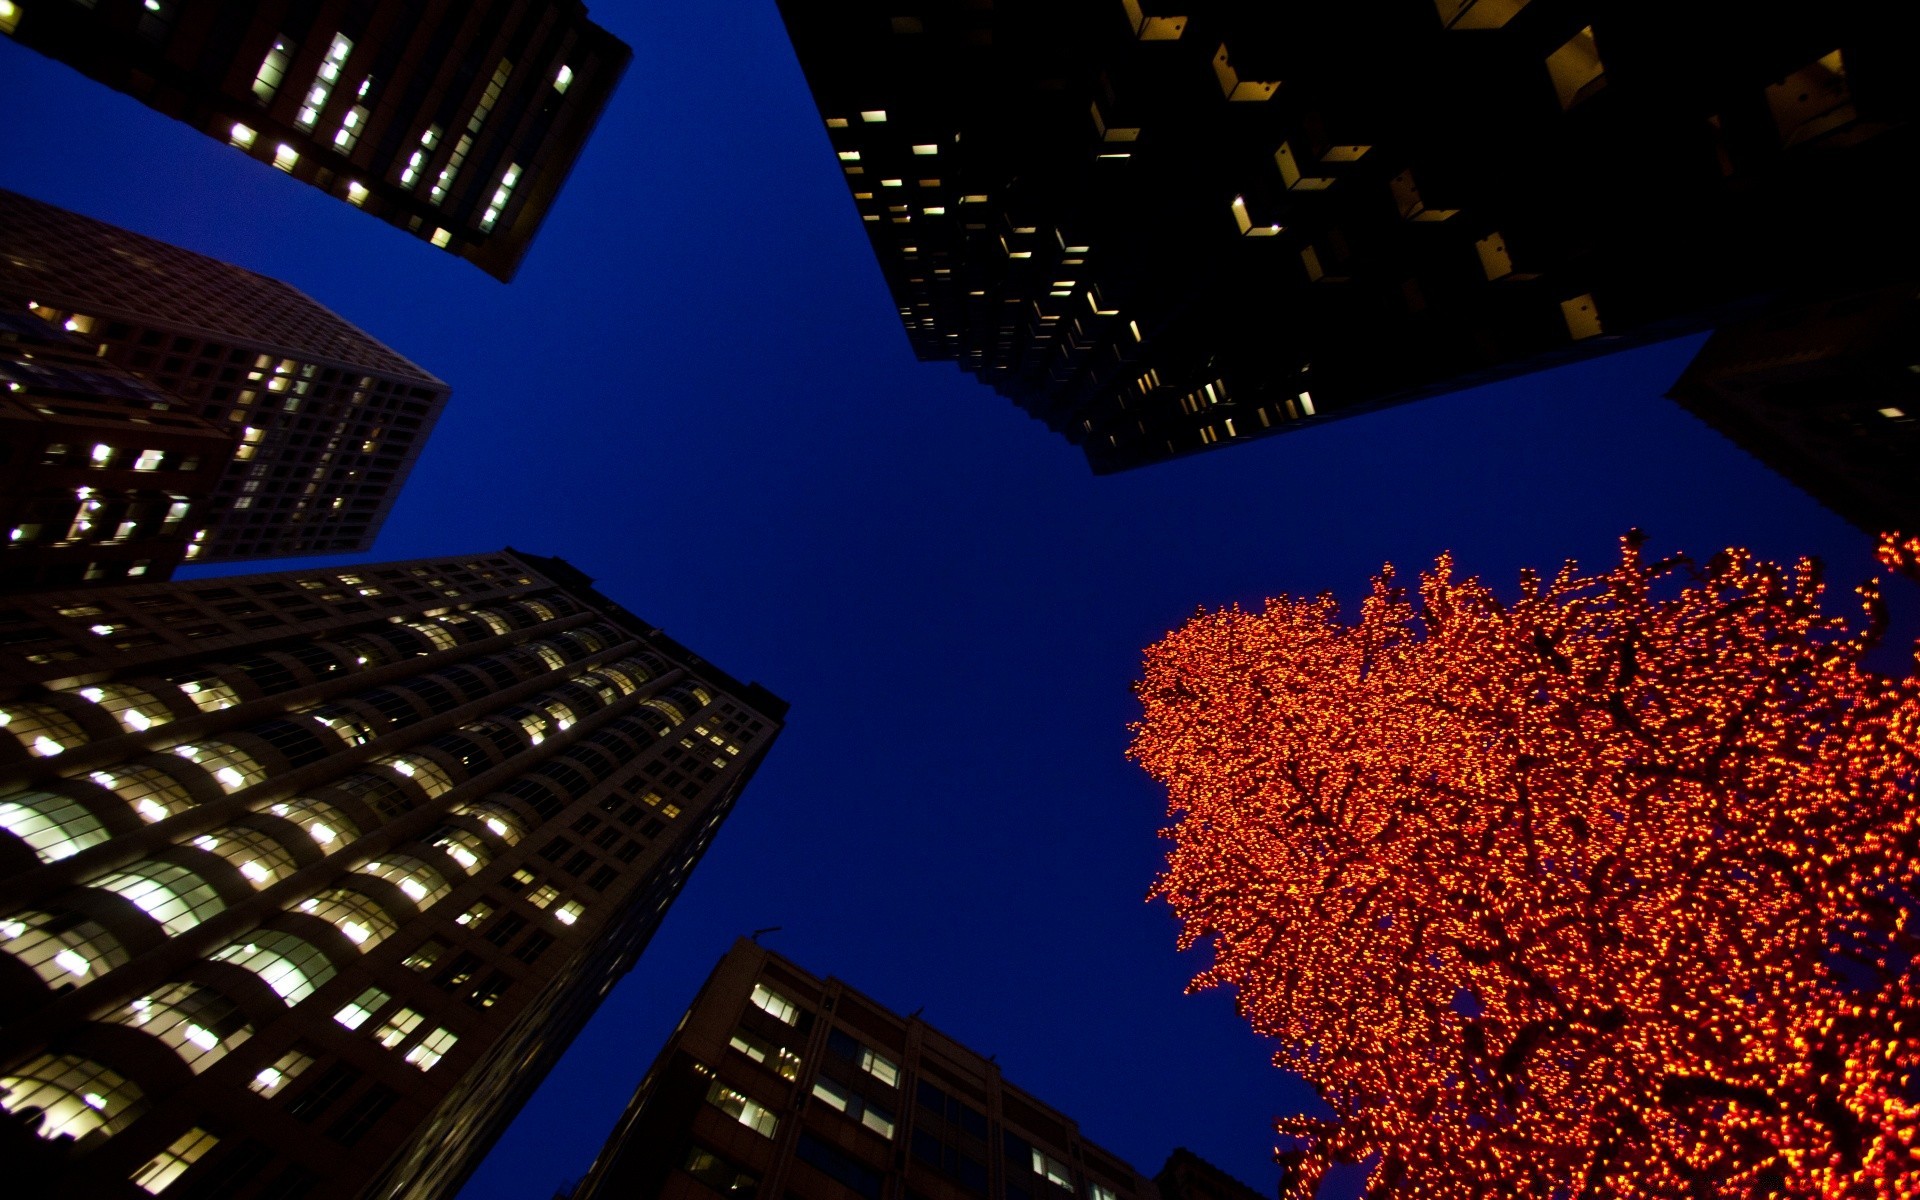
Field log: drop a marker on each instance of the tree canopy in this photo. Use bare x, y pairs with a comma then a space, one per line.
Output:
1607, 891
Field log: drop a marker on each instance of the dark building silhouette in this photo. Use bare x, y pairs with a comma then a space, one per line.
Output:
1187, 1176
1161, 228
455, 121
281, 428
1827, 392
307, 879
778, 1083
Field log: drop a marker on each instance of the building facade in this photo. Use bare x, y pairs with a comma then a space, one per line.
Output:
1164, 228
306, 879
780, 1084
322, 422
456, 121
1826, 391
102, 475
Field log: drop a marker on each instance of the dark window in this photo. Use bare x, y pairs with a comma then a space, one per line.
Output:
430, 952
629, 852
606, 838
460, 972
951, 1161
535, 945
555, 848
838, 1164
359, 1116
586, 824
578, 863
488, 993
299, 744
323, 1091
502, 931
952, 1110
601, 878
723, 1176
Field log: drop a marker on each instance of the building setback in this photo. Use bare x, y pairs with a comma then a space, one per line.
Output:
307, 879
1163, 228
325, 422
778, 1083
456, 121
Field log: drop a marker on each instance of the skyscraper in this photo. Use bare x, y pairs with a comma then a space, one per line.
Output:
306, 879
778, 1083
322, 421
456, 122
1166, 228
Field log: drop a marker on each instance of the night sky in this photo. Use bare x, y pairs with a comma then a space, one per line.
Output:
697, 391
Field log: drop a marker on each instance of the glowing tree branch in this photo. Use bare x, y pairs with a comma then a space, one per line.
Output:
1606, 892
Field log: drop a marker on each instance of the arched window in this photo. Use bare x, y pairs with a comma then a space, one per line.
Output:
133, 708
65, 950
548, 654
502, 819
345, 724
209, 693
55, 826
353, 913
665, 707
426, 774
199, 1023
441, 639
538, 609
323, 822
169, 893
231, 767
152, 792
622, 678
255, 853
289, 965
74, 1096
493, 620
41, 729
464, 848
422, 884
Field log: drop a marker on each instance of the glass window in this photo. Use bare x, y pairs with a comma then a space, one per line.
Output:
253, 852
857, 1107
776, 1005
428, 775
719, 1174
209, 693
231, 767
269, 1080
569, 912
397, 1028
500, 818
153, 793
133, 708
273, 69
464, 848
432, 1049
41, 729
323, 822
74, 1097
358, 916
422, 884
752, 1114
361, 1008
291, 966
198, 1023
168, 1165
55, 826
171, 894
779, 1059
65, 950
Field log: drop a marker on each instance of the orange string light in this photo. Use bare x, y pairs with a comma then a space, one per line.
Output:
1606, 892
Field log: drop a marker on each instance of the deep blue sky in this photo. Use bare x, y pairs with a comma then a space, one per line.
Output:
697, 391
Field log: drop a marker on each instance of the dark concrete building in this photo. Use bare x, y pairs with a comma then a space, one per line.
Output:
780, 1084
306, 426
1187, 1176
1827, 392
307, 879
1162, 228
456, 121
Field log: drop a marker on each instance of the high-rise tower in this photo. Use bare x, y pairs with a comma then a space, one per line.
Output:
779, 1083
306, 879
455, 121
307, 426
1162, 228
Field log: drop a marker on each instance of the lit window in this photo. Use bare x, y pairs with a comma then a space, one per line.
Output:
9, 16
293, 968
441, 237
208, 693
254, 853
356, 193
323, 822
361, 1008
874, 116
397, 1027
196, 1022
269, 1080
63, 950
152, 793
480, 911
358, 916
880, 1068
752, 1114
285, 156
463, 848
563, 79
783, 1061
569, 913
432, 1049
171, 894
500, 197
1055, 1171
55, 826
168, 1165
1097, 1191
418, 158
926, 148
1576, 69
273, 69
231, 767
42, 729
421, 883
323, 82
75, 1096
774, 1004
134, 709
429, 776
855, 1106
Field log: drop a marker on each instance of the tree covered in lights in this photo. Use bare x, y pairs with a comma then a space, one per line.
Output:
1605, 892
